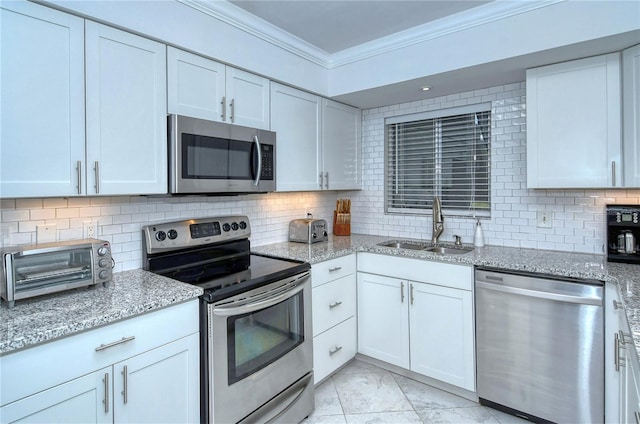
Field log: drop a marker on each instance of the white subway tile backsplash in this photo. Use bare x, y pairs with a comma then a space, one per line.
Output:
579, 218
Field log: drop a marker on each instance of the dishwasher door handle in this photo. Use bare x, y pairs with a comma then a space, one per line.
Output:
540, 294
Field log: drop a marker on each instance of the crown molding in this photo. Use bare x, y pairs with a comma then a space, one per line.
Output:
251, 24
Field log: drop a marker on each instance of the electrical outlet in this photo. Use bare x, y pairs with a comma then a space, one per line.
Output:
89, 229
46, 233
545, 219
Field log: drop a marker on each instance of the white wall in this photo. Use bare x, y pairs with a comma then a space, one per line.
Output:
578, 215
120, 219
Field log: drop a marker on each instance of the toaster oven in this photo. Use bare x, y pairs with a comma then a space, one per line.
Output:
45, 268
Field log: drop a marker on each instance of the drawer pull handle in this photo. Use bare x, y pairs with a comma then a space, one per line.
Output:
335, 304
625, 338
335, 350
112, 344
338, 268
617, 305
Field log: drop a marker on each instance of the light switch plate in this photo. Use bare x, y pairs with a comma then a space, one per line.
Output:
545, 219
46, 233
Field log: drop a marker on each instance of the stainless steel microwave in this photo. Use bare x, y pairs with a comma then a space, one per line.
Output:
207, 157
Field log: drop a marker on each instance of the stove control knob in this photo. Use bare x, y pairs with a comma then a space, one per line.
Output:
161, 235
226, 227
172, 234
234, 226
102, 263
243, 225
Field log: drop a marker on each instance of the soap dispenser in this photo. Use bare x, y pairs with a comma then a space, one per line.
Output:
478, 239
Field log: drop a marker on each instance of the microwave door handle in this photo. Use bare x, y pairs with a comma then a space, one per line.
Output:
259, 152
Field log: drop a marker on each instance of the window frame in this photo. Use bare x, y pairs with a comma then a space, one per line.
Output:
437, 179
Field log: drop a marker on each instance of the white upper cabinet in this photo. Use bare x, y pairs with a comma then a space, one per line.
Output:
318, 141
295, 117
126, 113
42, 114
206, 89
341, 145
574, 124
631, 115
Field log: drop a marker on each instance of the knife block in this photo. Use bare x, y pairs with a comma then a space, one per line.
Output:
341, 224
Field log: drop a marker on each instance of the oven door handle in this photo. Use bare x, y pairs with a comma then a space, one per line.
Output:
252, 305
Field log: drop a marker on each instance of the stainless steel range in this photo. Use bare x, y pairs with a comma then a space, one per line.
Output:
255, 315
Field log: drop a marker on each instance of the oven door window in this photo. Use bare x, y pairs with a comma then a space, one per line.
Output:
257, 339
216, 158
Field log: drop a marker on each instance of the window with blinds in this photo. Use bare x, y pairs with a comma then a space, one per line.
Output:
442, 153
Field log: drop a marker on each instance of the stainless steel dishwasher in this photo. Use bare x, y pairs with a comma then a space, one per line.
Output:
540, 346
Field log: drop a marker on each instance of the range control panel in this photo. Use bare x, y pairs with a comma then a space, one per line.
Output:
190, 233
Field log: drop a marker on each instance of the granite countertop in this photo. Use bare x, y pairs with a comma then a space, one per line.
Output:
565, 264
41, 319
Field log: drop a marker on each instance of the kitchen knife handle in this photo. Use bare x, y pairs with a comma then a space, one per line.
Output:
223, 106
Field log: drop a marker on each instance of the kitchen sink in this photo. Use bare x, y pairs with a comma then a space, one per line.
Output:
449, 250
426, 246
403, 245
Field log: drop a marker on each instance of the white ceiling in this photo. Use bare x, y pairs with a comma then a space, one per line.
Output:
330, 32
338, 24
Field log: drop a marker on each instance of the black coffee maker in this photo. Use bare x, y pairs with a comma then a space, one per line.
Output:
623, 233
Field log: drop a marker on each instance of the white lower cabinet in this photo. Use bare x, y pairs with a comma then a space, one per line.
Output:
334, 314
622, 367
145, 369
418, 315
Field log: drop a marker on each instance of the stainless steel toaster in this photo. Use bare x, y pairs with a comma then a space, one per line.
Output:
308, 230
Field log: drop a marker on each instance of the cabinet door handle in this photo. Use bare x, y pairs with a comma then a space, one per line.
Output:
124, 380
625, 338
335, 304
613, 172
223, 106
97, 169
326, 176
401, 291
411, 286
617, 360
617, 305
106, 393
337, 268
117, 342
335, 350
79, 171
320, 181
232, 106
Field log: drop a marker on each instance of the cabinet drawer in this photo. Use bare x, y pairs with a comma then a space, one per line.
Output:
76, 355
457, 276
334, 348
326, 271
333, 303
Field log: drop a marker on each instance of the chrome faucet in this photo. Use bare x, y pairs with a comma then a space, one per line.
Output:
438, 220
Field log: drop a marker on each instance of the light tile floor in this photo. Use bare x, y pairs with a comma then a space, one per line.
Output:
363, 393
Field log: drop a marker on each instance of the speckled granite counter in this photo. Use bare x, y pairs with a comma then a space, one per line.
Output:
566, 264
45, 318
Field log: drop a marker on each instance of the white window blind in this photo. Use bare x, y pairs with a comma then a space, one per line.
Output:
443, 153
